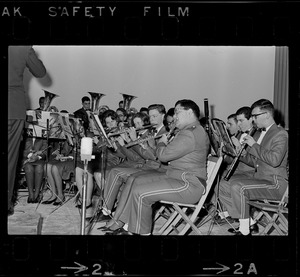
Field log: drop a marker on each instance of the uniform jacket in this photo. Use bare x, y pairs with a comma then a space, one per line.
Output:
149, 154
20, 57
187, 152
270, 156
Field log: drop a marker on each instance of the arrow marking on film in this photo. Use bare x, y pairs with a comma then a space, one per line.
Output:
80, 268
223, 268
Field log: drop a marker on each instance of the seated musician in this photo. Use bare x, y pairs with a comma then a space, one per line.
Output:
245, 125
243, 122
59, 168
132, 159
267, 155
122, 117
184, 180
146, 150
34, 155
232, 125
169, 118
113, 158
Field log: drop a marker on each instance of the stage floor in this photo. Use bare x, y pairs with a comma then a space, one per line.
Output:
41, 219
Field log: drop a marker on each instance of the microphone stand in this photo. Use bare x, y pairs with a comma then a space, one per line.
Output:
85, 158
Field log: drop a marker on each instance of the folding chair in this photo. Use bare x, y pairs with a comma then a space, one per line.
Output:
175, 212
275, 212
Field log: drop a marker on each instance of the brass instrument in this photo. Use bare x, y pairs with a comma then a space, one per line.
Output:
96, 101
37, 153
236, 159
127, 99
49, 96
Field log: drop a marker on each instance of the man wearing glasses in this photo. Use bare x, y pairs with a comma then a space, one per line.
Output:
268, 156
183, 181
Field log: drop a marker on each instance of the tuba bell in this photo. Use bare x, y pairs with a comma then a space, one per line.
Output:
95, 101
127, 99
48, 99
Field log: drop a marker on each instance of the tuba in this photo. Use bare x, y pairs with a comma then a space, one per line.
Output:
48, 99
127, 99
95, 101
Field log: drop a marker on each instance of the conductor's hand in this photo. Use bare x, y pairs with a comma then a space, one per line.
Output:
249, 140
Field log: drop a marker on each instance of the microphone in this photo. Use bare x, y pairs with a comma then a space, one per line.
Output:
86, 149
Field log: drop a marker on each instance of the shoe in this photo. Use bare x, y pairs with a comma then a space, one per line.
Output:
240, 234
30, 200
102, 218
37, 200
253, 229
119, 232
59, 202
79, 206
49, 201
222, 221
105, 229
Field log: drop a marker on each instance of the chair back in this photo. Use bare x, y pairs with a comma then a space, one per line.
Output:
213, 166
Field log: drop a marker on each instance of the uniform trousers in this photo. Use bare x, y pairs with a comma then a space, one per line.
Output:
126, 189
235, 193
113, 184
15, 129
150, 188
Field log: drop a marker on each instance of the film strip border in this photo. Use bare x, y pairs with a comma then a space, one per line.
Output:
130, 22
154, 23
133, 255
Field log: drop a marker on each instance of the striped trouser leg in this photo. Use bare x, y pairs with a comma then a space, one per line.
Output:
247, 189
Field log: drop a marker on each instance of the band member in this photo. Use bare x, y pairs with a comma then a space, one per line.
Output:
122, 117
59, 167
34, 159
268, 156
183, 181
232, 125
245, 125
19, 58
112, 158
146, 150
82, 112
41, 104
169, 119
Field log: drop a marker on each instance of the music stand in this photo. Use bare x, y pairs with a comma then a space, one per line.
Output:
225, 147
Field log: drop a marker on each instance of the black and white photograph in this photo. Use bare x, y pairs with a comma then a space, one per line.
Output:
127, 124
130, 87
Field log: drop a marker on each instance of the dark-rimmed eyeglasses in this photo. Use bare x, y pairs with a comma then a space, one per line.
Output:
257, 114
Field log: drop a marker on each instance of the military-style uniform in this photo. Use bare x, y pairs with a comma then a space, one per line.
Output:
119, 175
183, 181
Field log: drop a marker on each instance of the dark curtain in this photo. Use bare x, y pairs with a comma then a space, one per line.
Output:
281, 86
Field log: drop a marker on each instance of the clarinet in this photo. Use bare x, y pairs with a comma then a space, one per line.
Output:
236, 159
